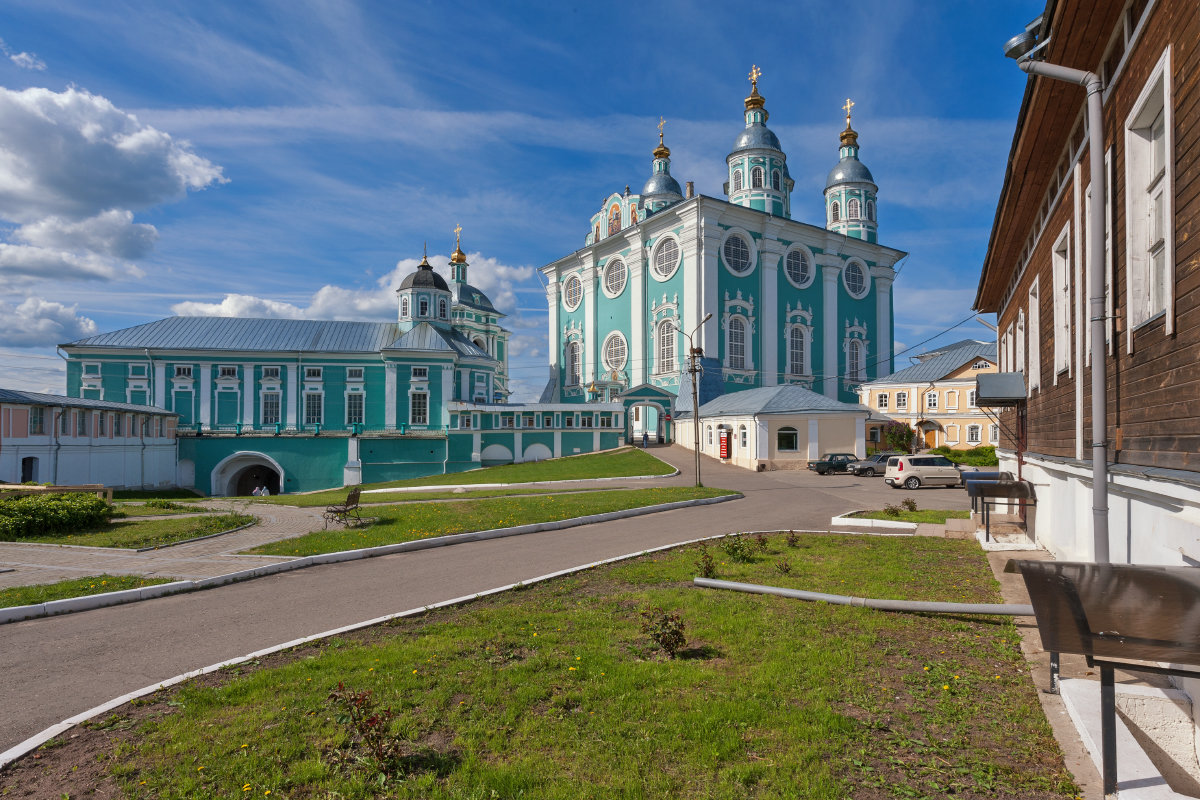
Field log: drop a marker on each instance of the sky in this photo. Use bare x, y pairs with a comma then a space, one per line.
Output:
292, 158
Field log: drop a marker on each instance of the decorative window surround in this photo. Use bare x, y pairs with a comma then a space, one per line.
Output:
799, 322
741, 308
855, 339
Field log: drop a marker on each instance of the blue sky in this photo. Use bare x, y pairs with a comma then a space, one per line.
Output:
291, 158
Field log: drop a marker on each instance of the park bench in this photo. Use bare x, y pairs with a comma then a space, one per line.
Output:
344, 512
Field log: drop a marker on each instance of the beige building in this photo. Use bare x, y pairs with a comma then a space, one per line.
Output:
936, 397
774, 427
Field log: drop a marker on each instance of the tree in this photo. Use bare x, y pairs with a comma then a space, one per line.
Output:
898, 436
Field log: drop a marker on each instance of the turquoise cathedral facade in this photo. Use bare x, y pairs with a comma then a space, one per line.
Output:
768, 300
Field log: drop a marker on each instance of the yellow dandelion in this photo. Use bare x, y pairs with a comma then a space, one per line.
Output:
927, 669
245, 745
946, 686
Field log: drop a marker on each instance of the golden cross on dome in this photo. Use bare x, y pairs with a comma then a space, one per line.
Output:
661, 122
755, 74
457, 234
849, 105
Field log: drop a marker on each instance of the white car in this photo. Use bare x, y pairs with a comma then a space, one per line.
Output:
913, 472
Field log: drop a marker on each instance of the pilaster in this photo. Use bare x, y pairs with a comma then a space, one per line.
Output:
293, 395
248, 394
635, 262
829, 319
206, 396
389, 396
771, 251
884, 276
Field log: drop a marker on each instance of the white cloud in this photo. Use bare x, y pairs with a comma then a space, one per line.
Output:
111, 233
21, 265
42, 323
23, 60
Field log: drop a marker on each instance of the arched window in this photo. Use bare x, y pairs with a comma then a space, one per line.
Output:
404, 306
614, 276
480, 343
796, 363
854, 361
742, 435
614, 220
776, 182
736, 253
736, 346
666, 346
708, 428
423, 306
615, 351
798, 268
666, 257
442, 307
756, 178
855, 279
871, 210
574, 373
852, 208
835, 211
737, 180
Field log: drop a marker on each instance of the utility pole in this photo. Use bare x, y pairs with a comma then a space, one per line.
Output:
695, 370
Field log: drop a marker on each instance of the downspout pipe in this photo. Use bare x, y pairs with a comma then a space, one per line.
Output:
912, 606
1096, 291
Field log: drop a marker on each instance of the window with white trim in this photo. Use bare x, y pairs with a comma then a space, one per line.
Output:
270, 408
270, 373
37, 421
796, 347
226, 372
420, 373
871, 210
81, 420
1035, 339
423, 307
404, 305
442, 307
787, 440
974, 434
776, 183
735, 345
312, 373
354, 373
994, 434
1062, 303
418, 408
931, 401
855, 361
614, 276
666, 346
835, 211
666, 257
737, 180
572, 292
881, 401
742, 435
574, 365
736, 254
798, 267
902, 401
852, 208
314, 408
1149, 178
854, 277
756, 178
183, 371
971, 398
1021, 366
615, 351
355, 402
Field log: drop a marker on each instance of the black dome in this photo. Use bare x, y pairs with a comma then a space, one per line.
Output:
424, 278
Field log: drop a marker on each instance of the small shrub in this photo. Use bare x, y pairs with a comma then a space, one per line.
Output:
760, 542
792, 539
41, 514
783, 567
706, 565
664, 628
737, 548
369, 726
909, 504
166, 505
892, 510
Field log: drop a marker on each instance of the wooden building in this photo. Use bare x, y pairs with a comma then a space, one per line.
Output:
1035, 278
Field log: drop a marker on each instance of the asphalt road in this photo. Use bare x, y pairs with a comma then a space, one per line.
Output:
53, 668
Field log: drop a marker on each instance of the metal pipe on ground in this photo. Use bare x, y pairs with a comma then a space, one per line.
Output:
919, 606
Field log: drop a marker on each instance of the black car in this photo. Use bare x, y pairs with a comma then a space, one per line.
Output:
832, 462
871, 465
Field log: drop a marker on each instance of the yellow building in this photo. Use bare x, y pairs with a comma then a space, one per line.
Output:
936, 397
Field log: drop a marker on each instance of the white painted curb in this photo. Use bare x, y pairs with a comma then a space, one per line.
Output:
449, 487
847, 521
54, 607
35, 741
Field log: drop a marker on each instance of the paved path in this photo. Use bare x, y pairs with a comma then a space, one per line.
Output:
55, 667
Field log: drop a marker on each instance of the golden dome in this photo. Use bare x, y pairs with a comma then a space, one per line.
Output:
756, 100
458, 256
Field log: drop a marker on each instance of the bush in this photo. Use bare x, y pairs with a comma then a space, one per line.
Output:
705, 564
737, 548
982, 456
42, 514
909, 504
665, 628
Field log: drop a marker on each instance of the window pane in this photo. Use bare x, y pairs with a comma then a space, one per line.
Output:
737, 344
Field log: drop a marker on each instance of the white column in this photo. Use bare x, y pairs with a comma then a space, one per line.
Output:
476, 445
160, 385
762, 441
590, 345
248, 394
518, 447
860, 437
768, 325
830, 274
691, 243
556, 343
639, 353
558, 444
883, 320
595, 441
389, 396
464, 385
814, 439
352, 472
447, 392
709, 338
205, 395
293, 392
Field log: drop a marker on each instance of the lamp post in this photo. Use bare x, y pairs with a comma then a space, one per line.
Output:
695, 370
1023, 47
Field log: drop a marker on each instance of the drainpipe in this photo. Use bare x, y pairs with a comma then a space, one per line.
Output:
1096, 291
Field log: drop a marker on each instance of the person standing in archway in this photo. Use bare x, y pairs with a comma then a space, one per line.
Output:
645, 439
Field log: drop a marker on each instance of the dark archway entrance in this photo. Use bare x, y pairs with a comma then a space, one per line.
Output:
29, 469
254, 476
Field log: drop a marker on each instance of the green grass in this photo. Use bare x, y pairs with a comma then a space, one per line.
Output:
155, 494
331, 496
554, 692
935, 516
79, 587
140, 510
407, 522
148, 532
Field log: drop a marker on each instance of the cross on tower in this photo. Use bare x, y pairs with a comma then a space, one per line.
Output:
755, 74
849, 105
457, 234
661, 123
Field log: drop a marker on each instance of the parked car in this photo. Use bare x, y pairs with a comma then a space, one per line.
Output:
871, 466
832, 462
913, 472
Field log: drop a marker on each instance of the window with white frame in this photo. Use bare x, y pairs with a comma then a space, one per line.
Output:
852, 208
404, 305
787, 440
572, 292
881, 401
418, 408
902, 401
574, 366
314, 408
871, 210
756, 178
312, 373
1035, 339
743, 437
1062, 303
117, 424
1021, 367
355, 401
931, 401
226, 372
464, 421
64, 423
354, 373
735, 346
420, 373
776, 183
974, 434
708, 429
666, 257
854, 278
666, 346
1149, 178
81, 422
835, 211
183, 371
856, 369
100, 420
423, 307
442, 307
737, 180
615, 274
270, 373
568, 420
270, 408
615, 351
796, 345
971, 398
37, 421
994, 434
797, 267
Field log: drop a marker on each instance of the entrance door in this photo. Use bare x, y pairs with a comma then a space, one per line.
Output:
29, 469
931, 438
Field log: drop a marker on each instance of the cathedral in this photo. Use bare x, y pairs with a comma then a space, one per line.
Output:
767, 300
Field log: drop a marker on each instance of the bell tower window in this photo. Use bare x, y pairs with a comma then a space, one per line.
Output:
775, 181
756, 178
852, 208
737, 180
835, 211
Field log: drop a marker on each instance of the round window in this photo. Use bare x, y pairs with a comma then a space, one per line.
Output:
614, 351
573, 292
614, 276
737, 254
855, 278
666, 257
799, 268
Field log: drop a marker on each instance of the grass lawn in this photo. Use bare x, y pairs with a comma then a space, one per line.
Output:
935, 516
147, 532
555, 692
407, 522
79, 587
172, 507
321, 499
155, 494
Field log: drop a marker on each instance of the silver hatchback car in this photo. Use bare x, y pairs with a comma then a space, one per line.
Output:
913, 472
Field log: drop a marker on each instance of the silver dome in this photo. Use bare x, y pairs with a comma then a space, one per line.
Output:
424, 278
662, 183
756, 137
849, 170
471, 296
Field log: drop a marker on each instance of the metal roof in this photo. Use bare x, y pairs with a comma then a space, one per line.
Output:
39, 399
1000, 389
246, 334
430, 337
942, 363
777, 400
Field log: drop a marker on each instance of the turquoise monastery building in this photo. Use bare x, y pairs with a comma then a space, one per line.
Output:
767, 299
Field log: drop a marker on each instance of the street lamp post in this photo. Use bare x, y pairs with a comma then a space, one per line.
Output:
695, 369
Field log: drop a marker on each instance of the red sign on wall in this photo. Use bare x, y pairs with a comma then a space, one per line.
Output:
724, 444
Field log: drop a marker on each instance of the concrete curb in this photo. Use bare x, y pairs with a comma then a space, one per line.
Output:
847, 521
35, 741
449, 487
55, 607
